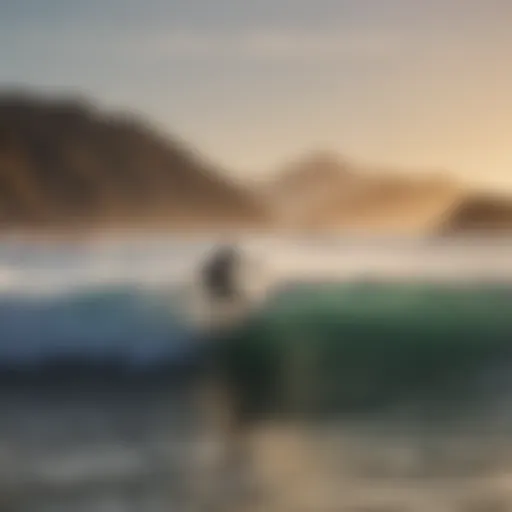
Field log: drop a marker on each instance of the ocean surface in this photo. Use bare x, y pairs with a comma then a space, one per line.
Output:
398, 349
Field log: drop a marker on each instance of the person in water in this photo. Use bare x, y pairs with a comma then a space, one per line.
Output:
219, 274
229, 307
227, 378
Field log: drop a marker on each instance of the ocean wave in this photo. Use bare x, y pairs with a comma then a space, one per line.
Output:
121, 299
342, 346
123, 322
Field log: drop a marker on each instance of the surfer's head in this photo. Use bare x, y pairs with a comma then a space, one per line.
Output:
219, 273
231, 285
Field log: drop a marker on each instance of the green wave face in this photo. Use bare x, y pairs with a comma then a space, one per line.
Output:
343, 348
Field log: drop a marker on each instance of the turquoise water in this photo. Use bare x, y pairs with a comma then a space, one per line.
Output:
316, 347
360, 350
345, 347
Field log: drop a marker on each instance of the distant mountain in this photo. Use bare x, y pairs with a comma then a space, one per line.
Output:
311, 173
66, 163
479, 213
302, 188
323, 192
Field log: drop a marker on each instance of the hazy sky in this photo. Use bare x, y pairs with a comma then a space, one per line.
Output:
255, 83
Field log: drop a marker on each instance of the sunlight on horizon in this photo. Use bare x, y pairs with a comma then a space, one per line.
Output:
395, 83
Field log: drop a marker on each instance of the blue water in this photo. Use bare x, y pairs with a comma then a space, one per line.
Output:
116, 447
94, 301
116, 322
115, 298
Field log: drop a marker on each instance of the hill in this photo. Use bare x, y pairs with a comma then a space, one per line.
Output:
65, 163
322, 192
479, 213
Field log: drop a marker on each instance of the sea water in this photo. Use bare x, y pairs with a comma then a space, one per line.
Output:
395, 352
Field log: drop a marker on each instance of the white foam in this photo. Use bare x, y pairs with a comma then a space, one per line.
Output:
32, 268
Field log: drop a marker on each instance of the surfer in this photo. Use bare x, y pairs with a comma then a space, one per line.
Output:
230, 303
219, 274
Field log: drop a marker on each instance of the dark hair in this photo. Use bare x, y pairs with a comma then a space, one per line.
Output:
218, 273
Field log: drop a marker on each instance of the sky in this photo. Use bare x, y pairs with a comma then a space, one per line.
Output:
416, 84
